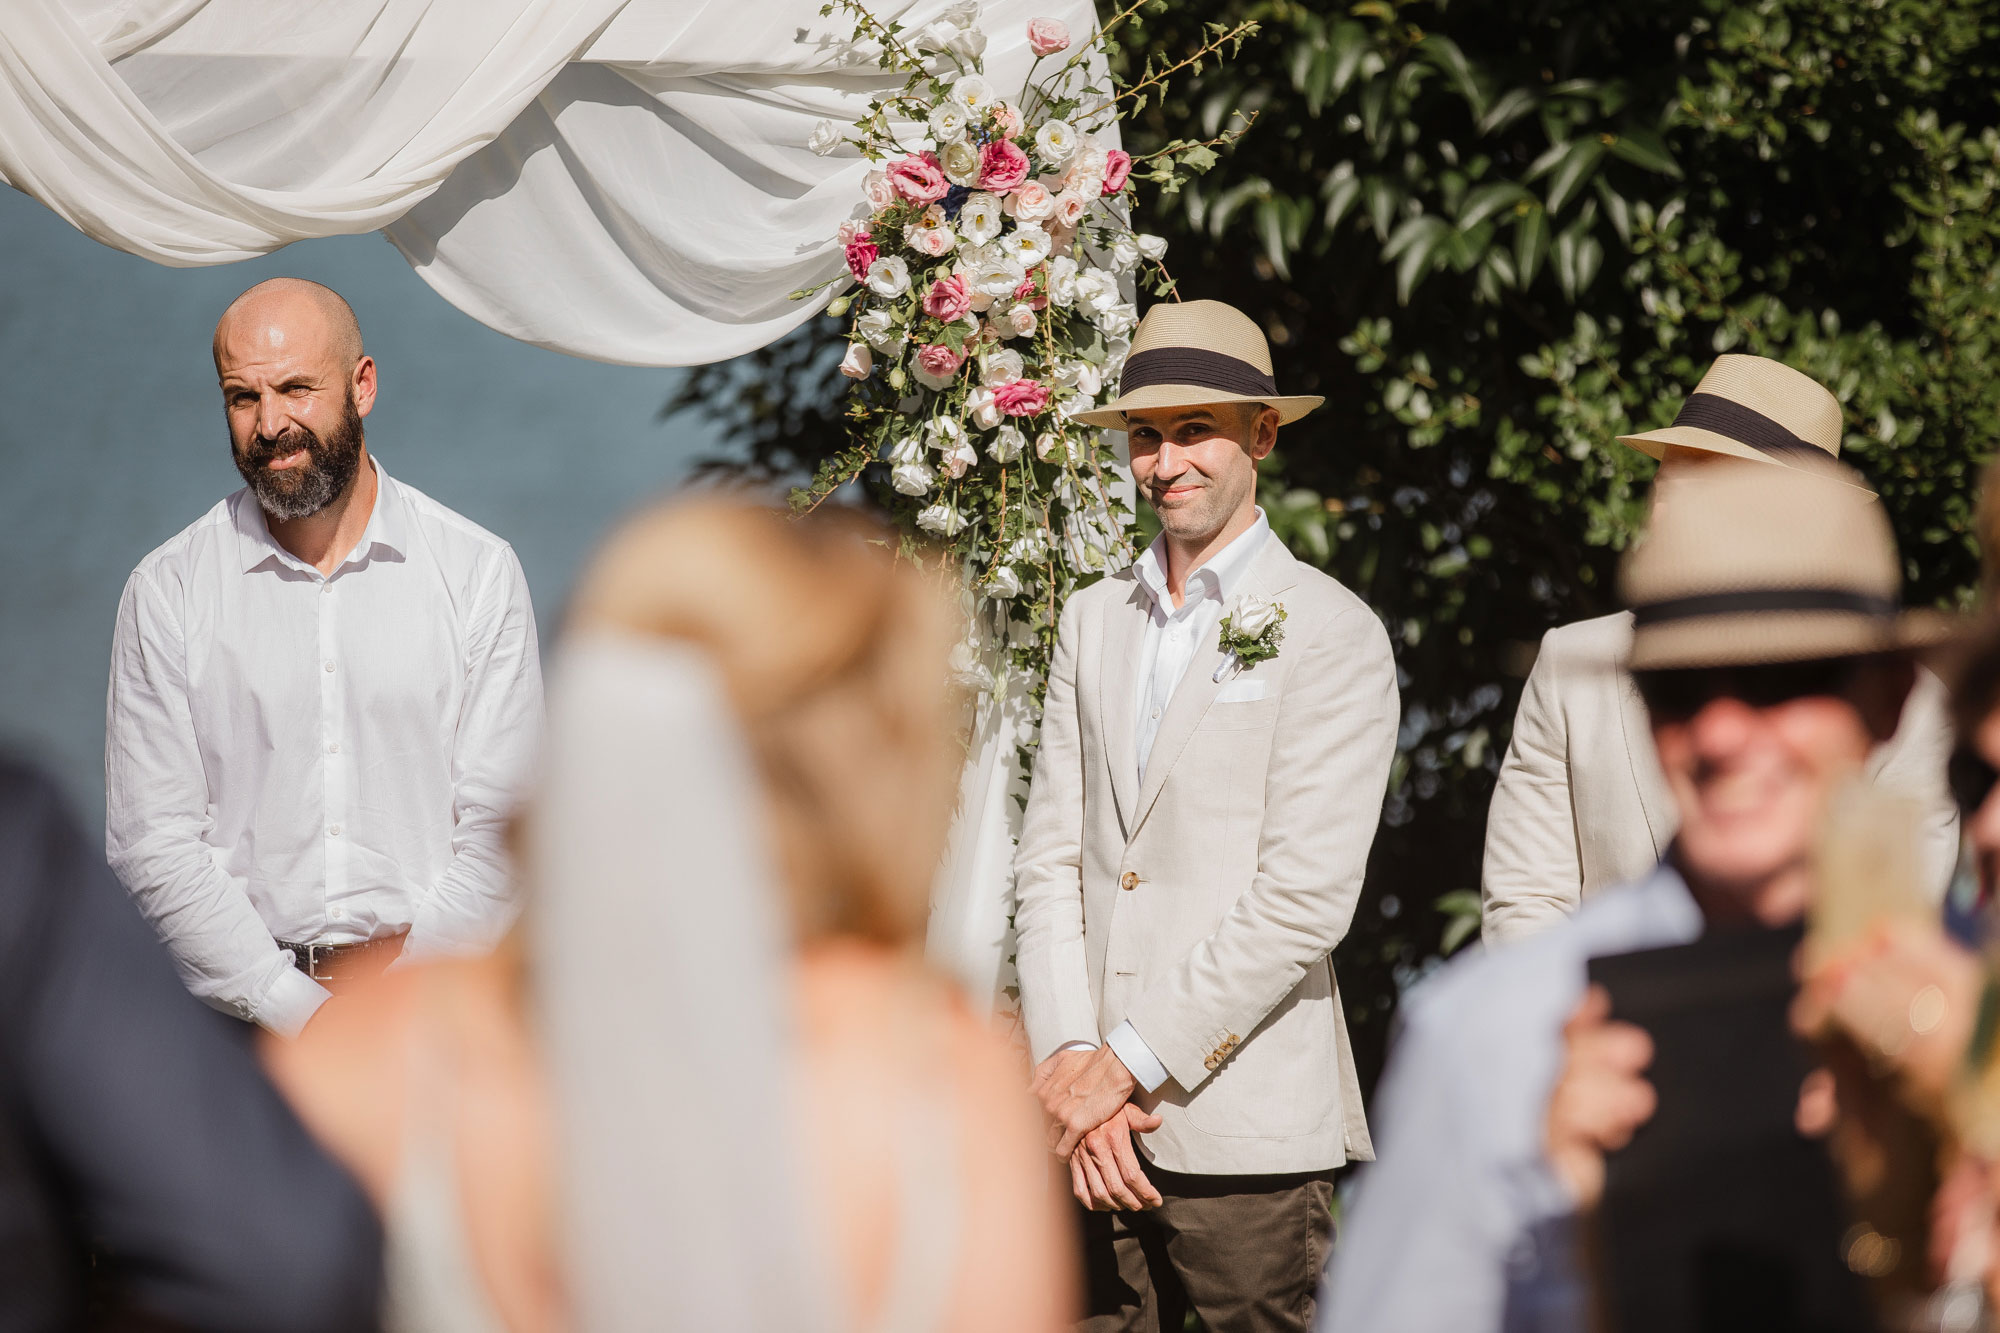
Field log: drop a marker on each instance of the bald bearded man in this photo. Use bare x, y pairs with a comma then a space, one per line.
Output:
324, 694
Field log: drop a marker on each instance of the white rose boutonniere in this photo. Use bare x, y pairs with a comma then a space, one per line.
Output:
1251, 633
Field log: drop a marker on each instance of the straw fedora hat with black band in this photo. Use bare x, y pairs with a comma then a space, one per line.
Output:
1744, 566
1751, 407
1191, 353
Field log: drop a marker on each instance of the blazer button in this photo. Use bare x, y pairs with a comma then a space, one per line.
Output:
1129, 880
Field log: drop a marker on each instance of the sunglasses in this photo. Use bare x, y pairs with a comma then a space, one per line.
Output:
1972, 779
1677, 695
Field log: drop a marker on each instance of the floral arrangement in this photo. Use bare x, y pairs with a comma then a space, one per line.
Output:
993, 267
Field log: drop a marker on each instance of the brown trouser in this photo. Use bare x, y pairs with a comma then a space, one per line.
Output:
1244, 1252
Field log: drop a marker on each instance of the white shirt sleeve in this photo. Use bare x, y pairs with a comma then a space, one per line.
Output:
156, 822
493, 753
1126, 1043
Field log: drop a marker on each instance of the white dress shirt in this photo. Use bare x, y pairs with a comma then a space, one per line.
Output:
323, 759
1173, 636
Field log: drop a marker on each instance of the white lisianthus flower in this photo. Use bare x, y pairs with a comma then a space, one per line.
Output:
1115, 351
943, 433
948, 122
913, 478
1076, 373
909, 449
1000, 366
943, 520
859, 362
1056, 142
1029, 548
985, 412
1152, 247
959, 161
972, 92
880, 329
1021, 322
997, 278
1117, 320
1028, 245
967, 43
1003, 582
1049, 447
1007, 444
957, 459
964, 663
825, 138
1124, 255
1062, 280
981, 218
1252, 615
962, 13
889, 276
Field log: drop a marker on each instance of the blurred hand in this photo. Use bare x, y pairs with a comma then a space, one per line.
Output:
1907, 996
1601, 1097
1080, 1090
1105, 1171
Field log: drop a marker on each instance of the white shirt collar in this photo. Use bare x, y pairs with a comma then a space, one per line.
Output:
388, 526
1220, 575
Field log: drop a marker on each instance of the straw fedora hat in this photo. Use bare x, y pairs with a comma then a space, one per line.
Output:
1187, 353
1749, 565
1751, 407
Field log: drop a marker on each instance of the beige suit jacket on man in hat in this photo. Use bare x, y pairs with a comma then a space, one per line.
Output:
1581, 805
1202, 904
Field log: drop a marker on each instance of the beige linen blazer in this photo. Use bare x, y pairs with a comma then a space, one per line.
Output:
1203, 904
1581, 804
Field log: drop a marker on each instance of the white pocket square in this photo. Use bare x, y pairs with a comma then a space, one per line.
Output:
1241, 692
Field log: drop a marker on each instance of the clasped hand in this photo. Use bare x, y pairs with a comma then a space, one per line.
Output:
1087, 1096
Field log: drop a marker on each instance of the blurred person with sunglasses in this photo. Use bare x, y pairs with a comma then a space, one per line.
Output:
1581, 804
1773, 663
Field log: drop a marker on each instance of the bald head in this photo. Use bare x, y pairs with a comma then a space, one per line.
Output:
289, 315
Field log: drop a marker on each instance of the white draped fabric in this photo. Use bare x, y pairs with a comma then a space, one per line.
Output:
625, 180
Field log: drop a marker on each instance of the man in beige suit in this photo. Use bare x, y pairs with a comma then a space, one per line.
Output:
1580, 804
1217, 738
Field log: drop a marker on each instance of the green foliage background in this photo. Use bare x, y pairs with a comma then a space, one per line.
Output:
1498, 234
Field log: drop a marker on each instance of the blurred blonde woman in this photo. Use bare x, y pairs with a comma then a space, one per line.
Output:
834, 1118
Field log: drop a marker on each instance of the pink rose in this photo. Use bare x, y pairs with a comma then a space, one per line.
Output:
858, 362
1007, 118
1002, 166
860, 254
1117, 166
949, 298
1070, 208
1047, 36
918, 179
1021, 398
932, 241
1031, 202
881, 194
938, 361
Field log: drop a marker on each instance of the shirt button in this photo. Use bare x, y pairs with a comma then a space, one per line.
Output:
333, 748
329, 664
336, 913
1156, 715
334, 830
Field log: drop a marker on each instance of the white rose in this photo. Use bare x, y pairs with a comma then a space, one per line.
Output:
913, 478
1029, 548
1055, 142
1048, 445
858, 363
1078, 374
968, 44
962, 13
998, 367
981, 218
1020, 320
1062, 280
1028, 245
1115, 351
1117, 320
1252, 616
972, 92
825, 138
1003, 582
957, 459
948, 122
909, 449
960, 162
1096, 290
880, 329
943, 433
1124, 255
889, 276
964, 661
1152, 247
997, 277
1007, 444
941, 519
984, 411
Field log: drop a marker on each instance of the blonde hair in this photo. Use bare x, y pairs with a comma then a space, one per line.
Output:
834, 655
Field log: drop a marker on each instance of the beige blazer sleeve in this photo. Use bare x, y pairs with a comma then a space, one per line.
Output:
1056, 1003
1533, 874
1329, 767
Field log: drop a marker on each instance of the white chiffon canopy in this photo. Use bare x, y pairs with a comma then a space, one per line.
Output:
624, 180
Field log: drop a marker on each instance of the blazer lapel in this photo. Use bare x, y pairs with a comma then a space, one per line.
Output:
1117, 690
1638, 747
1269, 574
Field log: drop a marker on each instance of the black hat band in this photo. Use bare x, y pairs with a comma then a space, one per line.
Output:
1745, 425
1743, 600
1195, 366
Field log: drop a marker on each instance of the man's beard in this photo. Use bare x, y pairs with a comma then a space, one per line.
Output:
304, 490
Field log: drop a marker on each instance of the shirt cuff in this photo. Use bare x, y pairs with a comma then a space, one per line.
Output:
292, 1000
1145, 1067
